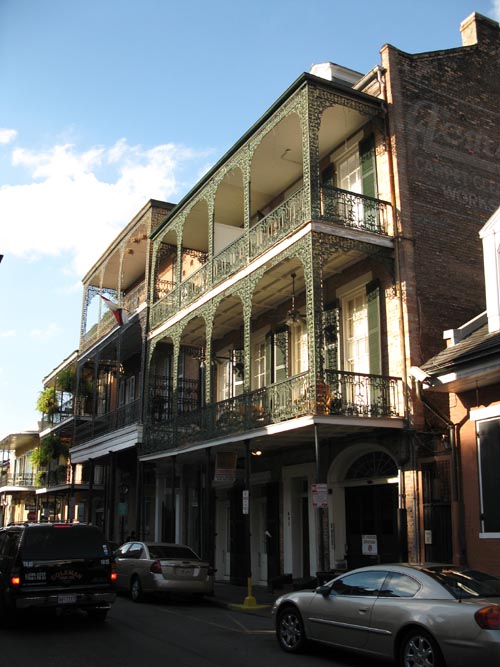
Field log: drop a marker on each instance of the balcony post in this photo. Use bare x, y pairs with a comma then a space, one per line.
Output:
320, 510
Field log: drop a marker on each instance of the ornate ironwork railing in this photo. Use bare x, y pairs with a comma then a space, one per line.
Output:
133, 299
98, 330
61, 475
194, 285
26, 479
279, 223
64, 412
164, 287
354, 210
99, 425
363, 395
229, 260
342, 393
338, 206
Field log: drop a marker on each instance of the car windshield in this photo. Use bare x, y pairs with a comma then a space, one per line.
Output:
171, 551
65, 541
462, 583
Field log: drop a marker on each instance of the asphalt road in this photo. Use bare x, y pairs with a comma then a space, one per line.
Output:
156, 634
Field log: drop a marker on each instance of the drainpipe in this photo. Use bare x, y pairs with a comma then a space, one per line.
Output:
456, 512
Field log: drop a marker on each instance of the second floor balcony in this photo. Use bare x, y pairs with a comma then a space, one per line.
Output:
371, 398
22, 481
91, 427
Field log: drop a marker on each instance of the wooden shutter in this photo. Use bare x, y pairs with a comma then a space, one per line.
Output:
367, 160
373, 308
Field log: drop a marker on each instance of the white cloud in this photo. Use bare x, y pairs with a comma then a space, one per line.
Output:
9, 333
6, 135
76, 202
495, 10
48, 333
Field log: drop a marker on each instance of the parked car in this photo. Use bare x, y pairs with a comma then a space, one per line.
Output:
426, 615
55, 565
148, 567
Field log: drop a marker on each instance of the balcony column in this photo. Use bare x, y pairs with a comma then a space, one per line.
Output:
314, 308
119, 296
178, 266
211, 235
90, 492
247, 202
175, 379
110, 496
209, 323
247, 344
311, 122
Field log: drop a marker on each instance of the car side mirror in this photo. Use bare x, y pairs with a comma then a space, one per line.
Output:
323, 590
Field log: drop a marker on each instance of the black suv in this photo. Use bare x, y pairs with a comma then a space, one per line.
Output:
55, 565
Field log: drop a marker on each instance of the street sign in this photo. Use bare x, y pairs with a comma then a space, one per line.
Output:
246, 500
320, 495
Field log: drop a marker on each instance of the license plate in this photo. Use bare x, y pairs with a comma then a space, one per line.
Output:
184, 571
66, 598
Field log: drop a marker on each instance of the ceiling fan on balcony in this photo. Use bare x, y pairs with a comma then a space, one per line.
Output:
293, 317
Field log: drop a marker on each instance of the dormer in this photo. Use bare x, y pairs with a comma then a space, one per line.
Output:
490, 236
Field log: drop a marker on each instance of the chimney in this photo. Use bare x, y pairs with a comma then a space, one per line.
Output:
479, 29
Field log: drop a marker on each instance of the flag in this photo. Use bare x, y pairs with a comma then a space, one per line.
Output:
121, 315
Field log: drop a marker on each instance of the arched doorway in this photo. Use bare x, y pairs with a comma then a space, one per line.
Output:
363, 507
371, 507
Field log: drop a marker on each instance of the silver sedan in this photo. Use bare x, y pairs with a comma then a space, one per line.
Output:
417, 615
155, 567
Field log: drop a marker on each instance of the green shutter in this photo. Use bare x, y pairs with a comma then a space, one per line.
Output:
367, 160
373, 307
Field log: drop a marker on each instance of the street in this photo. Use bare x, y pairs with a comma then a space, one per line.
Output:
156, 633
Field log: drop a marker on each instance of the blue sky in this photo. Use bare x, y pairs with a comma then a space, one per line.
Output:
105, 104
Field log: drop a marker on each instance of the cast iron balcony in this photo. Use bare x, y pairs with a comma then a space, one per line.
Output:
341, 394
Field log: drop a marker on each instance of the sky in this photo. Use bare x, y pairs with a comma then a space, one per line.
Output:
105, 104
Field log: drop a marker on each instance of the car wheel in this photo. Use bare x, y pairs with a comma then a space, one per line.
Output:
290, 630
419, 649
136, 590
97, 615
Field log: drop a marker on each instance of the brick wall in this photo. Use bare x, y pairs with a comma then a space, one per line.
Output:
444, 115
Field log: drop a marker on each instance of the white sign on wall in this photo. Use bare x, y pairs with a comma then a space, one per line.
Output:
369, 546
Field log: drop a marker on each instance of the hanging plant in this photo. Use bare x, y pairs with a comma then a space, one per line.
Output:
40, 457
54, 446
47, 402
66, 380
40, 477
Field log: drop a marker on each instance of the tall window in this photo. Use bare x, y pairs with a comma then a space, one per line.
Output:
300, 355
259, 365
349, 173
356, 349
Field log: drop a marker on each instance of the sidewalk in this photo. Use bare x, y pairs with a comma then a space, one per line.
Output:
237, 598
